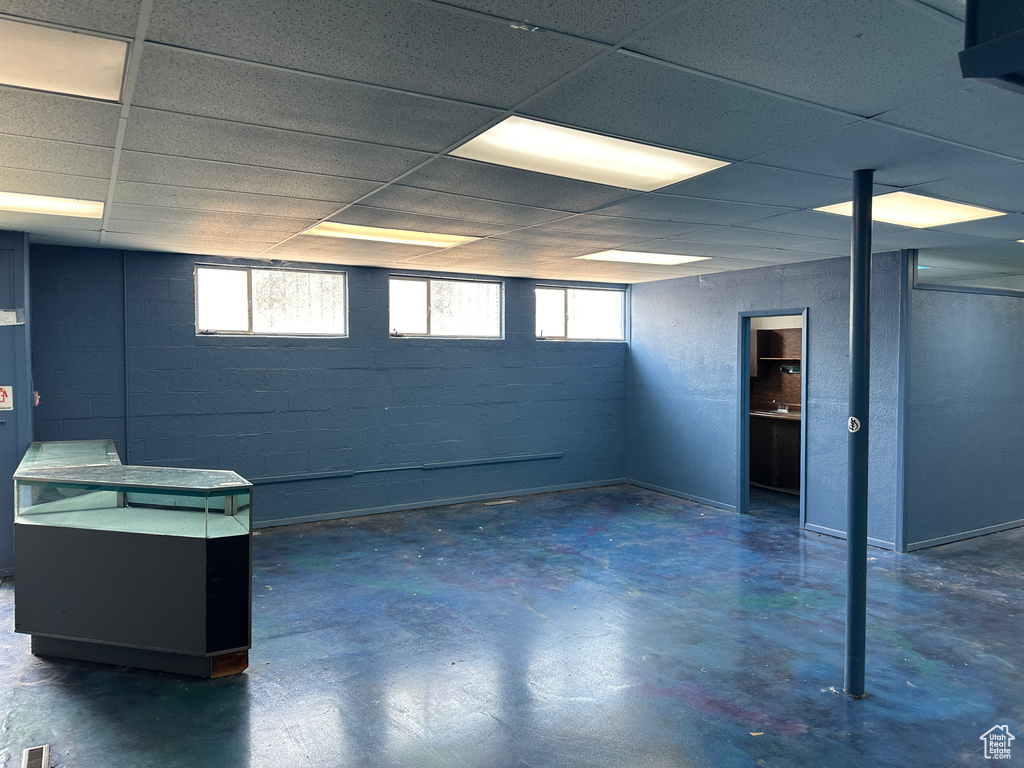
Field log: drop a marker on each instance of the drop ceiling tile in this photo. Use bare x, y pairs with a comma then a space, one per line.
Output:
205, 174
157, 228
763, 185
410, 46
199, 218
183, 244
348, 248
53, 184
52, 116
74, 237
829, 247
55, 156
899, 158
214, 200
114, 17
222, 140
611, 225
754, 238
367, 216
662, 105
1001, 189
182, 81
413, 200
926, 238
805, 50
770, 256
690, 209
956, 9
682, 247
823, 226
32, 222
976, 114
605, 20
1010, 227
569, 239
491, 248
511, 185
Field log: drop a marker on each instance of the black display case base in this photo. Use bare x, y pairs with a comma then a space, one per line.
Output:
219, 665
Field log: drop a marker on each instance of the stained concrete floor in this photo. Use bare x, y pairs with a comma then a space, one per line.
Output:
608, 627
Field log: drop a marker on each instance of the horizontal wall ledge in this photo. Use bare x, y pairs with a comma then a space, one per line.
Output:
272, 479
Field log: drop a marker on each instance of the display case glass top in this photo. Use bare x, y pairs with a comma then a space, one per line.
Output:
83, 485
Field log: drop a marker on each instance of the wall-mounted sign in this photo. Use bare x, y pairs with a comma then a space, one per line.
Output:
6, 398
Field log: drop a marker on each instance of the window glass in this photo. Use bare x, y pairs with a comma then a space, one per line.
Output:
222, 300
595, 314
452, 308
586, 314
408, 306
550, 313
283, 302
298, 302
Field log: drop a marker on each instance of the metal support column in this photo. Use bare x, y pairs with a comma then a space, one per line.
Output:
857, 424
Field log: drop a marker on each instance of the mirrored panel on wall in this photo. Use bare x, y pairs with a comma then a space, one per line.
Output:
997, 268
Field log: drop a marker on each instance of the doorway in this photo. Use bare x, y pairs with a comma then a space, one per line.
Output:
772, 400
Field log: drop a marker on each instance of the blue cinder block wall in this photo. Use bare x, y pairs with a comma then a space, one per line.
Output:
965, 416
684, 387
353, 412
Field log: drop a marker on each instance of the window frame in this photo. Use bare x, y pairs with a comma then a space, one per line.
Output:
429, 280
565, 292
248, 283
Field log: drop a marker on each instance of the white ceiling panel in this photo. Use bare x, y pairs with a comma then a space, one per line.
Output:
975, 113
204, 138
607, 20
182, 81
418, 47
682, 110
52, 116
114, 17
167, 196
55, 156
367, 216
613, 225
818, 225
205, 174
764, 185
691, 209
753, 238
52, 184
495, 182
202, 218
898, 158
804, 49
414, 200
1001, 189
555, 239
38, 222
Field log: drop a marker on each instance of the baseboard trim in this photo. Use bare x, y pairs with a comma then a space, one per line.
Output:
431, 503
972, 534
881, 544
681, 495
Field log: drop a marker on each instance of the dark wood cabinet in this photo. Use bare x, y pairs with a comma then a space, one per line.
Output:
775, 452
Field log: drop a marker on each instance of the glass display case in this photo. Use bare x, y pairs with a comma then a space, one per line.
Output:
131, 565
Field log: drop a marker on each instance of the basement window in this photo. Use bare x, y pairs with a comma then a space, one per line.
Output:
423, 306
581, 314
270, 302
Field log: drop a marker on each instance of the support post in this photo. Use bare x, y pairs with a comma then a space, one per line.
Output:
857, 425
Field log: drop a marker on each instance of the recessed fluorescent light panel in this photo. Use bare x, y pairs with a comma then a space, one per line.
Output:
48, 59
637, 257
54, 206
553, 149
910, 210
403, 236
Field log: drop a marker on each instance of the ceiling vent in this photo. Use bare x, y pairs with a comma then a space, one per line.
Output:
994, 43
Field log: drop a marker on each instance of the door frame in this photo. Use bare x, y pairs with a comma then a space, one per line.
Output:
743, 366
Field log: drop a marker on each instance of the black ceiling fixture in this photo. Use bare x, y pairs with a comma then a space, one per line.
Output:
994, 43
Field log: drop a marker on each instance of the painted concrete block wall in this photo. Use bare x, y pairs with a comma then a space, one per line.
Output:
965, 416
276, 409
15, 372
684, 388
